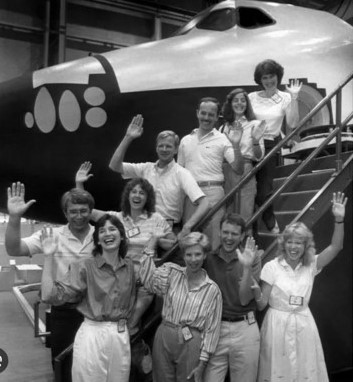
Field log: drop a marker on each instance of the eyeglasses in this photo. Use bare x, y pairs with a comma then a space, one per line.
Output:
82, 212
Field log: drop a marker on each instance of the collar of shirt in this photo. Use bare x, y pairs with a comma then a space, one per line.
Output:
208, 135
166, 168
100, 261
225, 256
129, 219
205, 281
284, 264
67, 232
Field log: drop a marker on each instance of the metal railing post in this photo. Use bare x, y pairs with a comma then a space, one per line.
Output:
339, 135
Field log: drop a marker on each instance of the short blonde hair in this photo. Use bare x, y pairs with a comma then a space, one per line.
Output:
300, 230
166, 134
195, 238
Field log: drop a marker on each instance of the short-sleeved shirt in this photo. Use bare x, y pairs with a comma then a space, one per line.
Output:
70, 248
170, 184
227, 275
102, 293
286, 281
204, 157
246, 143
139, 232
272, 110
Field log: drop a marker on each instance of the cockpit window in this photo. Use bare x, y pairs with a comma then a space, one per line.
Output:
253, 18
226, 18
220, 20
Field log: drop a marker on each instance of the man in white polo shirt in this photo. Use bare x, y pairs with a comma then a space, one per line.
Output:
202, 152
170, 181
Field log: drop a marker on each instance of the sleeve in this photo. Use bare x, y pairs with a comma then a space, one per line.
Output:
211, 333
190, 186
268, 272
33, 243
181, 154
72, 287
155, 280
133, 170
286, 101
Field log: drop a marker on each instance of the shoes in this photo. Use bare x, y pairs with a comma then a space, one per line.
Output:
275, 230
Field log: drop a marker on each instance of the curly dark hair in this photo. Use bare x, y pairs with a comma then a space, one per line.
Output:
227, 110
150, 205
97, 249
268, 67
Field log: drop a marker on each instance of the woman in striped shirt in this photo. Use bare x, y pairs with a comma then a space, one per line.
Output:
191, 313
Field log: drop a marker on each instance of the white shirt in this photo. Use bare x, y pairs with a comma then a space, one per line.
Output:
170, 184
204, 157
272, 110
246, 143
70, 248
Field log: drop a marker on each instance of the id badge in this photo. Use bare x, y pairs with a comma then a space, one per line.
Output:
276, 98
296, 300
133, 232
187, 335
121, 326
251, 318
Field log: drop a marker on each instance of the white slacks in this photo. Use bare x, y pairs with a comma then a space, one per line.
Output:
101, 353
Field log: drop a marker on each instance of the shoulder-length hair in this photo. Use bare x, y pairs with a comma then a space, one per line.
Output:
195, 238
147, 187
227, 109
268, 67
97, 249
301, 231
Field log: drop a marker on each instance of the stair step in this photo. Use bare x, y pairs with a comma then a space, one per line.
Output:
294, 200
305, 182
325, 162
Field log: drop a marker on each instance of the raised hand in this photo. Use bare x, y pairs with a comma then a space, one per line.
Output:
49, 241
247, 257
236, 135
294, 88
16, 205
135, 128
339, 205
82, 175
258, 130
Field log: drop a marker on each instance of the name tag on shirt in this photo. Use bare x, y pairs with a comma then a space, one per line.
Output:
296, 300
251, 318
121, 326
187, 335
133, 232
276, 98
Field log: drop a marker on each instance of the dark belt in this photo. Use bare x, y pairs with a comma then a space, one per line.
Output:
210, 183
235, 319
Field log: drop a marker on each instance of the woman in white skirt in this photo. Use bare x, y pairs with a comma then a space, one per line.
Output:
290, 347
104, 285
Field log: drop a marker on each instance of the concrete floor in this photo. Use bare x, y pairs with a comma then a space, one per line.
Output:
29, 359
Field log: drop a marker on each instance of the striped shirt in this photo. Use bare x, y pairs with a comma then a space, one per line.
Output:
199, 308
139, 232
